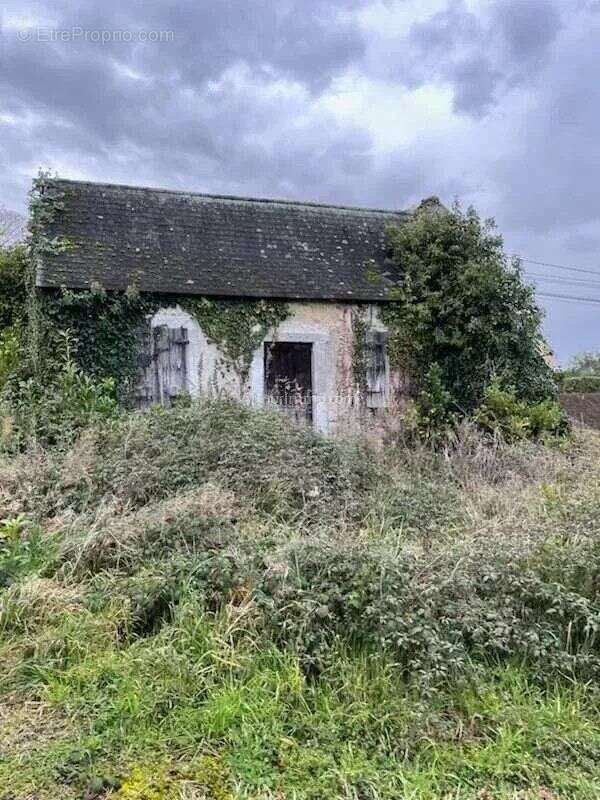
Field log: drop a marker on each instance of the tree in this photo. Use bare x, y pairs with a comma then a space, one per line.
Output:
582, 374
12, 228
13, 298
462, 305
13, 291
585, 364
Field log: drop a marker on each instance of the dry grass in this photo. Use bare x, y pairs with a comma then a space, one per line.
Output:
198, 584
26, 725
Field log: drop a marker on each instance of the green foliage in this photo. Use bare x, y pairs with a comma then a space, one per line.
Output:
67, 401
106, 328
10, 354
578, 383
12, 287
163, 781
461, 306
21, 549
478, 604
501, 411
432, 627
434, 406
582, 374
359, 352
236, 325
239, 609
288, 471
12, 310
585, 364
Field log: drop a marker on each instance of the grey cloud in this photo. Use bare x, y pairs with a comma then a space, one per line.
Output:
482, 56
168, 105
549, 176
475, 82
582, 243
446, 30
528, 28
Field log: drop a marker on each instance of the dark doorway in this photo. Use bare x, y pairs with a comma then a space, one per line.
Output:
288, 377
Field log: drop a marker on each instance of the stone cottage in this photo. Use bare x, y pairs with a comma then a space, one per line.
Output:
328, 264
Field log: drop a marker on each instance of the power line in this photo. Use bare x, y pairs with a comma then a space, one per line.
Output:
556, 266
570, 297
572, 281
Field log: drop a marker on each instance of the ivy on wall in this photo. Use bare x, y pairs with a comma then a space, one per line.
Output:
106, 327
359, 350
237, 326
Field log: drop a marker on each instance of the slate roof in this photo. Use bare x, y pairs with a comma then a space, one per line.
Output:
170, 241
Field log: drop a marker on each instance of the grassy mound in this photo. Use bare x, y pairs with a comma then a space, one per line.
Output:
211, 603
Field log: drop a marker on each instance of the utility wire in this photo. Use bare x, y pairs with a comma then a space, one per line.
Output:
570, 297
557, 266
573, 281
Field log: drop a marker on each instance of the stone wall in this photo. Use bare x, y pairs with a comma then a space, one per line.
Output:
337, 401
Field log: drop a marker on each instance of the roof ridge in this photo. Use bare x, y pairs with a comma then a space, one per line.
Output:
233, 198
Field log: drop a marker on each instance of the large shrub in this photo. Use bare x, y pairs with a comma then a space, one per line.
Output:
12, 286
483, 602
12, 309
463, 306
287, 471
502, 411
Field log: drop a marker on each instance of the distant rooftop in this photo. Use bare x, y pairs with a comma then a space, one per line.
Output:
162, 240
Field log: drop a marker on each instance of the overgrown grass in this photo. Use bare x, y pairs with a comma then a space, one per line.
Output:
210, 603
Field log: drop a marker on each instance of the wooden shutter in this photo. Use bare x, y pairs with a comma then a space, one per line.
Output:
376, 368
170, 363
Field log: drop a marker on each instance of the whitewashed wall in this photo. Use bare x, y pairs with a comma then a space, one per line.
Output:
327, 326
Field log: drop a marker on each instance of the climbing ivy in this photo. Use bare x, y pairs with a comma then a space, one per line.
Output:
359, 350
462, 305
106, 326
237, 326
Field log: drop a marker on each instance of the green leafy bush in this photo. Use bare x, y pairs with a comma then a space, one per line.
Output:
69, 401
501, 411
435, 411
570, 383
13, 291
283, 470
22, 549
10, 354
432, 623
460, 305
12, 310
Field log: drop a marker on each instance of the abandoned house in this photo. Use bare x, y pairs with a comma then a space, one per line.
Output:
328, 264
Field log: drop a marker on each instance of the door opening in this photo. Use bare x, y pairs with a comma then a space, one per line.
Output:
288, 377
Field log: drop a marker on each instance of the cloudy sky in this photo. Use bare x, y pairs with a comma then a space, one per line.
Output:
493, 102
